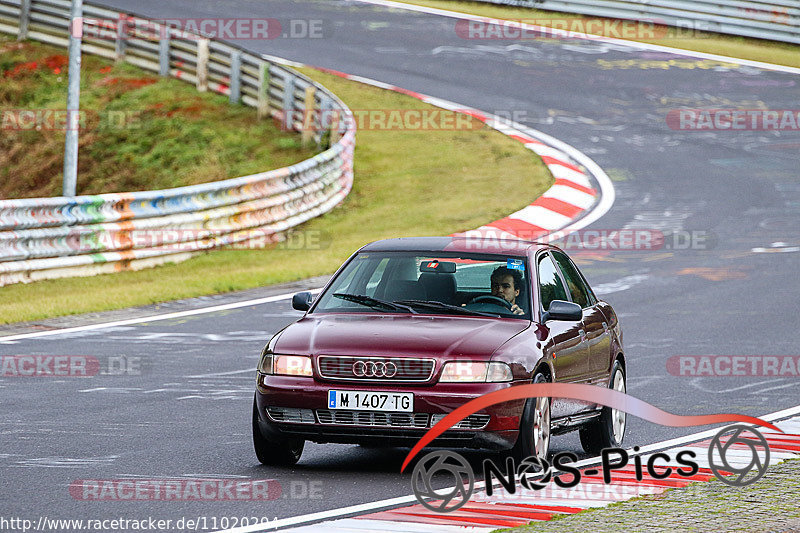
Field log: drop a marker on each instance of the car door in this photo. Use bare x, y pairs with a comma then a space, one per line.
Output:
595, 323
565, 346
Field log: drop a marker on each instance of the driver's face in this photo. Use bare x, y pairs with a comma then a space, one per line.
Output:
503, 287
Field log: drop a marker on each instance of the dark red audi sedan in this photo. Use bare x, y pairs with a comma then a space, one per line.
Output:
409, 329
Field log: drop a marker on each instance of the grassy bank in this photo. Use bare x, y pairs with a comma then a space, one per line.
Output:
407, 182
769, 504
698, 41
140, 131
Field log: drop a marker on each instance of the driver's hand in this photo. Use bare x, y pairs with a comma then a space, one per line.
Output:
517, 310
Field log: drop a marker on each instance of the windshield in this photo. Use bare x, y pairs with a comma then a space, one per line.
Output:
448, 283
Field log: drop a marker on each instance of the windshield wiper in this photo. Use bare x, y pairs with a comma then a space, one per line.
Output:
431, 304
373, 302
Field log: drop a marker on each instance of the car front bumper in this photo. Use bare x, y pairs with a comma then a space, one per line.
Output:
384, 429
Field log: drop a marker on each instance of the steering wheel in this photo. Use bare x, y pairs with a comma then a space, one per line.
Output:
491, 300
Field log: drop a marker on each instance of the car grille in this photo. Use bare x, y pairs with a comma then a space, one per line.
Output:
291, 414
470, 422
407, 369
399, 420
373, 418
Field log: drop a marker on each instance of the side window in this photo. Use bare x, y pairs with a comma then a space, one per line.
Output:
550, 286
577, 288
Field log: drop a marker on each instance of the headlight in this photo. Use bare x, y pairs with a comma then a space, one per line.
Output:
475, 372
285, 365
292, 365
265, 365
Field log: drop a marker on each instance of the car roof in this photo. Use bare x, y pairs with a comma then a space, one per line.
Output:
479, 244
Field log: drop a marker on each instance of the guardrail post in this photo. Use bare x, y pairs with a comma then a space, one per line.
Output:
325, 117
163, 51
263, 90
236, 74
336, 132
81, 216
122, 37
288, 102
202, 65
309, 111
24, 19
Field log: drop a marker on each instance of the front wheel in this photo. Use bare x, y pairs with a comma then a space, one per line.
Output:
274, 451
534, 428
608, 430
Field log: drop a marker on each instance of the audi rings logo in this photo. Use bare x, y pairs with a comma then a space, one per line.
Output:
740, 450
374, 369
456, 469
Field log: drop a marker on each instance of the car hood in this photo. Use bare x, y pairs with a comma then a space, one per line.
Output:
384, 335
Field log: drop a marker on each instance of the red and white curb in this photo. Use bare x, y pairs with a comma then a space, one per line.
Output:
572, 202
562, 204
482, 514
486, 513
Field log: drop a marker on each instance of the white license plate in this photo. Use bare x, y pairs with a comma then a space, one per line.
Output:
371, 401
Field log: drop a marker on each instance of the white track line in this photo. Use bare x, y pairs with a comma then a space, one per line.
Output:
152, 318
607, 196
578, 35
607, 200
355, 510
551, 147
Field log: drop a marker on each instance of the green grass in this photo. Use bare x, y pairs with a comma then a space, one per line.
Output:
142, 132
707, 42
428, 182
769, 504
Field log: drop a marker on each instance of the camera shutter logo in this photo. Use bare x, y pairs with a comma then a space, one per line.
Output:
738, 443
448, 499
538, 469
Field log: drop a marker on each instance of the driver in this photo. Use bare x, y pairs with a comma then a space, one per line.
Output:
505, 284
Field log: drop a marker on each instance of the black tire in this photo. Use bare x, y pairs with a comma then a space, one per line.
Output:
526, 444
599, 433
274, 451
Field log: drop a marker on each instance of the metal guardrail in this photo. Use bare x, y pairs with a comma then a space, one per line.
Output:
777, 20
43, 238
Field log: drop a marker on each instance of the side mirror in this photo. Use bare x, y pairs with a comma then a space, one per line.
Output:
561, 310
302, 301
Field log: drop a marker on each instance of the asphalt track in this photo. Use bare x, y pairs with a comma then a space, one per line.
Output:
186, 414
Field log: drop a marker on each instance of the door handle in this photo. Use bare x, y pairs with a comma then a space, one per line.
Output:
582, 333
605, 326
